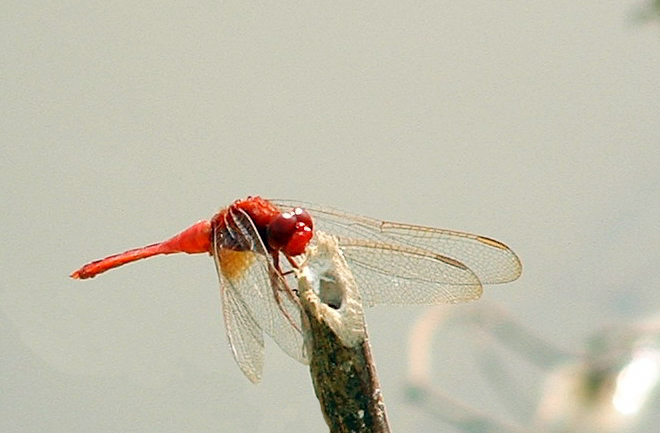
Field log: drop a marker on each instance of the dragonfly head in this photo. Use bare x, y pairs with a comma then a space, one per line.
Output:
291, 232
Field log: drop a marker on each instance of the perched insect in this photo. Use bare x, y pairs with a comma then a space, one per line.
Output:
392, 263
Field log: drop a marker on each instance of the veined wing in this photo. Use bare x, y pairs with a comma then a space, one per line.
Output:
430, 265
246, 338
248, 273
399, 274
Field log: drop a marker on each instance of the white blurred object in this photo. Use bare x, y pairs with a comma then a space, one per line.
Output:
608, 388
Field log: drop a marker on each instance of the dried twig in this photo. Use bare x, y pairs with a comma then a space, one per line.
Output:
341, 364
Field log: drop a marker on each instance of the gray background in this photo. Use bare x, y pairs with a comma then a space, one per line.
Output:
123, 122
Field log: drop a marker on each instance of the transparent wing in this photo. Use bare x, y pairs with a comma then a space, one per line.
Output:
396, 274
245, 336
402, 263
248, 273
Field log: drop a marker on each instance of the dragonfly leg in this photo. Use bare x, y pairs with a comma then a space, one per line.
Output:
279, 285
291, 261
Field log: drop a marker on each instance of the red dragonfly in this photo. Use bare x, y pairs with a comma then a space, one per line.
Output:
392, 263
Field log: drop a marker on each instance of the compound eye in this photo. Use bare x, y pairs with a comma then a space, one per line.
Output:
281, 229
304, 217
299, 240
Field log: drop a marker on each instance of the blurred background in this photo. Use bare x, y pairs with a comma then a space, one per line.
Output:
123, 122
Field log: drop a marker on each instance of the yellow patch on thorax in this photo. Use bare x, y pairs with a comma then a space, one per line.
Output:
234, 263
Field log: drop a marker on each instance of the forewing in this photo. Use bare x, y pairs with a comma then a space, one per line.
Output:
251, 277
491, 261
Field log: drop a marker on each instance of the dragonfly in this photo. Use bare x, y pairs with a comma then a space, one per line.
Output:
256, 243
